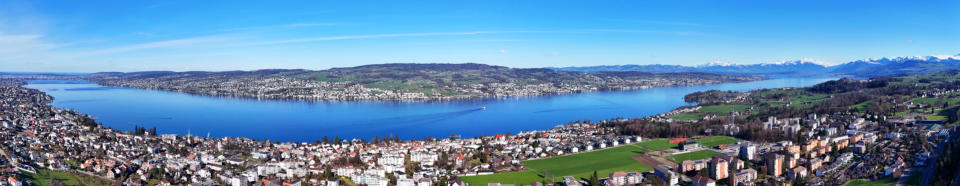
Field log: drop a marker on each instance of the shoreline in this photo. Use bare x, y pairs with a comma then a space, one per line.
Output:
177, 130
440, 99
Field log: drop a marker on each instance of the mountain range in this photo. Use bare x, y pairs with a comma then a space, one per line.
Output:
865, 68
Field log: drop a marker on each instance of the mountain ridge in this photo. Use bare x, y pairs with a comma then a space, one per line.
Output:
866, 68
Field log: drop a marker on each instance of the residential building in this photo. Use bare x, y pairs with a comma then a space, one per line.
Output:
774, 164
719, 168
703, 181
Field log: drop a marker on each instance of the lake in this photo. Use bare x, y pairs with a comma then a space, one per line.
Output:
180, 113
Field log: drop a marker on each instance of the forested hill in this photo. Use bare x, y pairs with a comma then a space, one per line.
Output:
402, 82
890, 101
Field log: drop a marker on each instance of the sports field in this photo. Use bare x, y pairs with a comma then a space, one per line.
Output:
518, 178
716, 140
579, 165
696, 155
582, 165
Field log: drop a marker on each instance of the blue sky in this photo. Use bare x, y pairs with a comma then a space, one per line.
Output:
93, 36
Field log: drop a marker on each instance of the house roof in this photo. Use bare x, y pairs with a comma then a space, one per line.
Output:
702, 179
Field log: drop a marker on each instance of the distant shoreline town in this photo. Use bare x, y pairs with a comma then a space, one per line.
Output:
403, 82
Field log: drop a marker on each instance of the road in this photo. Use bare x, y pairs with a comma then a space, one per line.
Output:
933, 160
13, 163
904, 178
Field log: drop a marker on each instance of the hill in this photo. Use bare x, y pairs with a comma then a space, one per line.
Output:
402, 82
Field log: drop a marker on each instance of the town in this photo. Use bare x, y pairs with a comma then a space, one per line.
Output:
45, 145
402, 82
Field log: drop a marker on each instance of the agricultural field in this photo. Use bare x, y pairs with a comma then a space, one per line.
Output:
696, 155
579, 165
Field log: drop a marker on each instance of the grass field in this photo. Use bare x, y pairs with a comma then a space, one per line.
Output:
937, 117
926, 100
580, 165
518, 178
696, 155
862, 107
880, 182
44, 177
716, 140
687, 116
723, 109
713, 109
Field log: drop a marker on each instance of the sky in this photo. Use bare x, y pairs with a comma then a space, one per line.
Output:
97, 36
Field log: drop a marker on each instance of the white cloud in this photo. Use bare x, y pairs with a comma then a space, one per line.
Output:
12, 44
186, 42
284, 26
26, 48
311, 24
502, 51
680, 33
676, 23
374, 36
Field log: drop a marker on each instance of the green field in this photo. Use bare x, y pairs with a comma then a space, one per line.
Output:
45, 177
880, 182
716, 140
712, 109
723, 109
580, 165
862, 107
518, 178
937, 117
687, 116
696, 155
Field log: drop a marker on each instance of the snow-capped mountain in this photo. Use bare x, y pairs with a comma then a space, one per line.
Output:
804, 67
796, 67
897, 66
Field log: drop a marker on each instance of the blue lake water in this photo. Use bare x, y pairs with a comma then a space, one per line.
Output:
180, 113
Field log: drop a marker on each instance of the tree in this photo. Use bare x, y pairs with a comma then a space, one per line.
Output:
328, 173
594, 180
392, 178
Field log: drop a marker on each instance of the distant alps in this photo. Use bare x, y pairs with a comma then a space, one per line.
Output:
865, 68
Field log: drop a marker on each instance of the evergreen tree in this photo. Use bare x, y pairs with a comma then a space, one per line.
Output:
328, 173
594, 180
